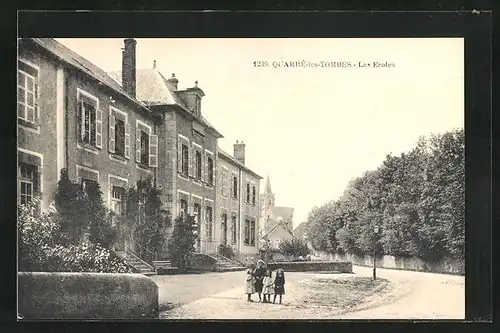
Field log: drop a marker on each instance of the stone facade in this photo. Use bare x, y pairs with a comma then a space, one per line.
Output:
237, 204
74, 115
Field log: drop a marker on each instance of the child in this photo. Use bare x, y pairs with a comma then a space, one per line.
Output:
249, 285
259, 274
268, 286
279, 284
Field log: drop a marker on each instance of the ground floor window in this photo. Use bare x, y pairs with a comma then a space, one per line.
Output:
233, 230
208, 222
118, 200
27, 181
247, 232
184, 207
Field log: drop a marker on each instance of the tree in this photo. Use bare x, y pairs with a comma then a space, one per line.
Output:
182, 242
294, 247
146, 218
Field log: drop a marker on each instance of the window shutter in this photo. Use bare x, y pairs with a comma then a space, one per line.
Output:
127, 140
190, 161
137, 144
111, 136
213, 171
37, 96
98, 128
153, 150
82, 119
179, 155
205, 167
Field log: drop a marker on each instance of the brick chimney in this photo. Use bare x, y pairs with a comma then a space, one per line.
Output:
173, 81
128, 67
239, 151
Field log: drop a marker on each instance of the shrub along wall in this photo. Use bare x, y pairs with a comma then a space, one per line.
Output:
308, 266
86, 296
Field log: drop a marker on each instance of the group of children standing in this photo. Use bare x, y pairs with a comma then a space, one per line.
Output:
262, 281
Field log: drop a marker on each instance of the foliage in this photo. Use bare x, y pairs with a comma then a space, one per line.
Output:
146, 217
417, 199
41, 247
294, 247
226, 251
83, 212
182, 243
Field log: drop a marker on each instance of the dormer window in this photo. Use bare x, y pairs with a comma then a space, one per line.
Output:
198, 105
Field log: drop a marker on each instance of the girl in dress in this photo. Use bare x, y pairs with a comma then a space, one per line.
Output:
259, 274
249, 285
279, 284
268, 289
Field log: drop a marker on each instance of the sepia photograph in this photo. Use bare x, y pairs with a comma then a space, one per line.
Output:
240, 178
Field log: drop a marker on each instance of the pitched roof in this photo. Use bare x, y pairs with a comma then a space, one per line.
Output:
278, 224
72, 58
153, 88
300, 230
284, 212
236, 162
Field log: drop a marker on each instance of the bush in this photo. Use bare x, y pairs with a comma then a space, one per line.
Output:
294, 247
181, 245
226, 251
42, 248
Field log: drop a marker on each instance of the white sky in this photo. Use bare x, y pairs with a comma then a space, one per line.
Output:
311, 129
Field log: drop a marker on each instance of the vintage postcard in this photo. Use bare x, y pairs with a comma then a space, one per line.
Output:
241, 178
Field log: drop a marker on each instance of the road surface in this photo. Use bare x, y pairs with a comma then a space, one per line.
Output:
413, 295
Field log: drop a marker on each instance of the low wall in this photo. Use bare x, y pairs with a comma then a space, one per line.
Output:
202, 262
444, 266
86, 296
308, 266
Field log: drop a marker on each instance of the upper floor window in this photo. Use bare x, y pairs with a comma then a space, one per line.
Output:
224, 187
146, 146
253, 195
90, 119
119, 133
185, 160
27, 188
235, 187
198, 165
210, 171
248, 192
27, 92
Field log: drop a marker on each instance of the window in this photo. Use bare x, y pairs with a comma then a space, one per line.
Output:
224, 228
253, 195
247, 232
210, 166
185, 160
118, 200
197, 213
198, 165
146, 146
224, 187
88, 124
88, 184
235, 187
27, 179
119, 137
27, 92
252, 232
208, 223
184, 207
233, 229
248, 193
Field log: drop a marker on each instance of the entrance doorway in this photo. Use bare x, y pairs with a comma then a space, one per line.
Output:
224, 229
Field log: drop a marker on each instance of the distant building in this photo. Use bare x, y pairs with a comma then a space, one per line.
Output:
300, 231
237, 202
276, 222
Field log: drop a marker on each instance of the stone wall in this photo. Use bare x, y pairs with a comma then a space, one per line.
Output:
308, 266
86, 296
444, 266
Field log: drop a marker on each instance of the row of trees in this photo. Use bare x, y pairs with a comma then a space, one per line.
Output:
417, 199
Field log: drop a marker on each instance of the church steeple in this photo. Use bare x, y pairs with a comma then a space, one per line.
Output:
267, 189
267, 199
